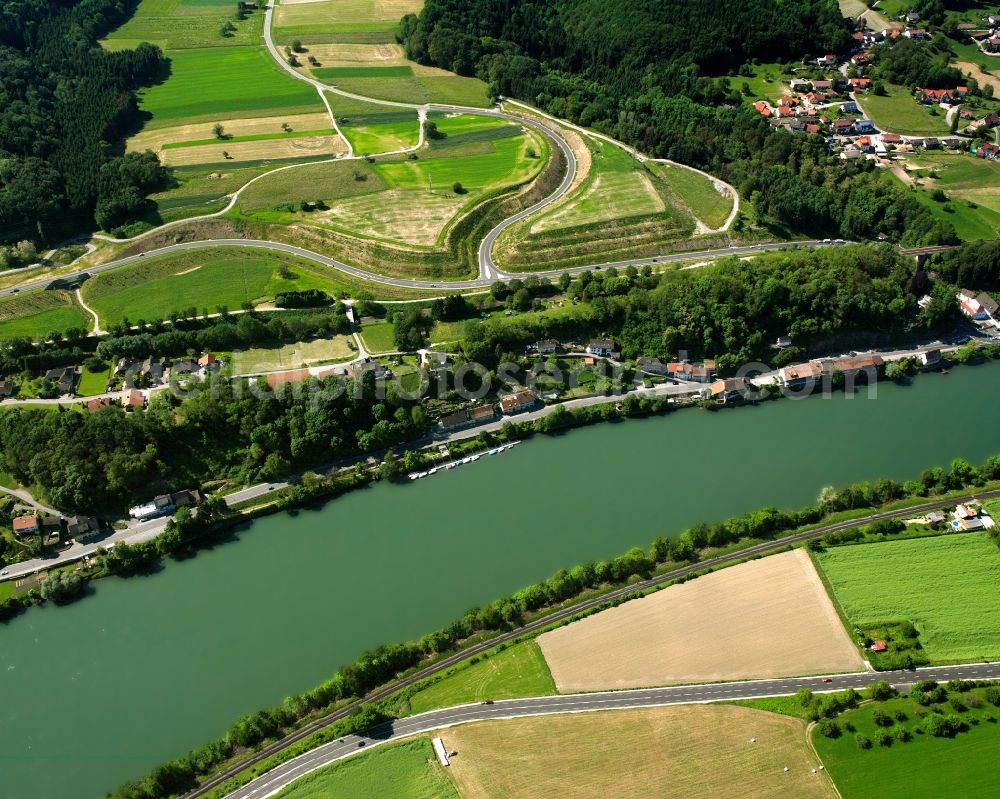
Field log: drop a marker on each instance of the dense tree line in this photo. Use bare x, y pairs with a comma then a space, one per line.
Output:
654, 75
975, 265
732, 311
98, 461
65, 106
911, 63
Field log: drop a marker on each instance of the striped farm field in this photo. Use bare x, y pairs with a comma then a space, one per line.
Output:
35, 314
358, 21
400, 71
220, 83
373, 128
928, 582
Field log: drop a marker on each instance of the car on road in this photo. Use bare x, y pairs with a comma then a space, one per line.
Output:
827, 679
360, 744
487, 701
15, 291
5, 572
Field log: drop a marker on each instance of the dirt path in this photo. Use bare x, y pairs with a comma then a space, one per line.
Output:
96, 330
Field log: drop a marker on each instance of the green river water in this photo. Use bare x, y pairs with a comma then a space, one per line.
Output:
100, 691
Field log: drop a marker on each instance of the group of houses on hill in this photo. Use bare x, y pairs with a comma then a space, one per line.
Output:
54, 529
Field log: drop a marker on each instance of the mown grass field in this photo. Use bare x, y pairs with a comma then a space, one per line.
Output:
365, 21
372, 128
400, 771
947, 586
35, 314
767, 83
377, 337
925, 767
292, 356
333, 73
971, 184
446, 89
698, 193
900, 113
202, 280
695, 752
325, 181
220, 83
179, 24
514, 672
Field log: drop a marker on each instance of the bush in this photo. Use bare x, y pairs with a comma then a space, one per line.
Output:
863, 741
829, 728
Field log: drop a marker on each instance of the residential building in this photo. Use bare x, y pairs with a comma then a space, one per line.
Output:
864, 126
50, 527
153, 369
825, 61
783, 342
822, 85
95, 405
860, 84
891, 138
730, 390
651, 366
696, 372
7, 388
133, 399
184, 366
602, 346
971, 517
434, 360
917, 34
518, 401
380, 370
164, 504
25, 525
79, 528
978, 307
467, 417
989, 151
277, 379
842, 127
911, 17
546, 346
799, 374
850, 107
929, 359
856, 364
879, 646
63, 379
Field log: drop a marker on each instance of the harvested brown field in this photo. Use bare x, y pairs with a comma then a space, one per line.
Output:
689, 752
766, 618
982, 78
260, 150
155, 139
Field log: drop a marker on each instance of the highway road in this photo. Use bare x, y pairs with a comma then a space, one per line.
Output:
278, 778
763, 548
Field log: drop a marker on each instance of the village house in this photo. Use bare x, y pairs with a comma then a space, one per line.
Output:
978, 307
434, 361
843, 127
546, 346
763, 108
604, 347
917, 34
518, 401
7, 388
971, 517
783, 342
94, 405
826, 61
730, 390
864, 126
860, 84
467, 417
799, 374
942, 96
50, 528
800, 85
133, 399
153, 369
850, 107
879, 646
929, 359
989, 151
651, 366
209, 363
25, 525
380, 370
184, 366
861, 60
992, 45
80, 528
275, 380
62, 379
696, 372
165, 504
911, 17
822, 85
857, 364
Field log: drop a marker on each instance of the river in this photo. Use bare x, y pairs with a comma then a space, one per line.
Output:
100, 691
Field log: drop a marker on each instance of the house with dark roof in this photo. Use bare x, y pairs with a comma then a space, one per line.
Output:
546, 346
651, 366
62, 379
602, 346
79, 528
467, 417
7, 388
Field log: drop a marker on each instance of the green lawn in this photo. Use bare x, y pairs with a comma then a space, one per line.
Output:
929, 582
200, 280
517, 671
35, 314
925, 767
698, 193
225, 83
93, 382
900, 113
400, 771
377, 337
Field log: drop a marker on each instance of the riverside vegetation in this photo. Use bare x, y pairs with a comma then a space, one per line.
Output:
388, 662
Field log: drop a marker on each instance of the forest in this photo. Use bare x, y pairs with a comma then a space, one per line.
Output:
92, 462
66, 105
660, 76
735, 310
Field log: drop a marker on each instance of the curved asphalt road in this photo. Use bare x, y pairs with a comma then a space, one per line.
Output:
278, 778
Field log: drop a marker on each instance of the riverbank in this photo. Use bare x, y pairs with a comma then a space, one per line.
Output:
307, 592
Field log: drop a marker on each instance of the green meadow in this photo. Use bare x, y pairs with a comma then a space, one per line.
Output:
35, 314
900, 113
930, 582
419, 89
329, 73
517, 671
398, 771
697, 192
203, 280
372, 128
181, 24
